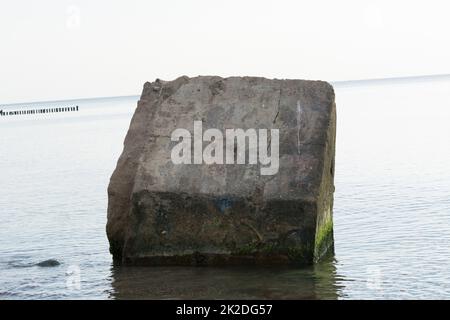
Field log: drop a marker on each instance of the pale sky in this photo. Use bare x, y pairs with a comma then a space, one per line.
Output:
62, 49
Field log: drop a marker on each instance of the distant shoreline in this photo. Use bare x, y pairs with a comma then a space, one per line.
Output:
337, 84
376, 81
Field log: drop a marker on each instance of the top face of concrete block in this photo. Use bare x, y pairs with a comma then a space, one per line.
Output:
302, 111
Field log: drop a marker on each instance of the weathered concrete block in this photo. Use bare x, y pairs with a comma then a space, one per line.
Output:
162, 213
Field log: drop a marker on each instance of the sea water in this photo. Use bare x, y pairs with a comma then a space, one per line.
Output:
391, 210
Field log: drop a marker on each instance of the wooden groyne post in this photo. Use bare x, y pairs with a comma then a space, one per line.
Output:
38, 111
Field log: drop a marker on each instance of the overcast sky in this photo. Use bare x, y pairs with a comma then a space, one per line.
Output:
61, 49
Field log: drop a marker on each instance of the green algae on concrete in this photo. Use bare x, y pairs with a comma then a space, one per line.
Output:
324, 241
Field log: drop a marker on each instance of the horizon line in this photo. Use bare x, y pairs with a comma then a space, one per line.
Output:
68, 100
338, 83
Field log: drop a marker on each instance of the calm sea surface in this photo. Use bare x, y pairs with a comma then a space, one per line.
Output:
391, 212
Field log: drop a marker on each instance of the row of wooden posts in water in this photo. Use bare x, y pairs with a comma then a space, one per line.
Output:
37, 111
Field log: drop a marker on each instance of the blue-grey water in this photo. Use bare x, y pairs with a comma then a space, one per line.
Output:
391, 211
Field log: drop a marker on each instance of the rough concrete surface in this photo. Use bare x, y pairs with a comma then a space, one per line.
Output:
161, 213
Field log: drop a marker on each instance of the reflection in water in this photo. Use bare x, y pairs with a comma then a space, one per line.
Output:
318, 282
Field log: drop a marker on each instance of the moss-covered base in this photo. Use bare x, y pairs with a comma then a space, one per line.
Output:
298, 254
324, 242
254, 253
